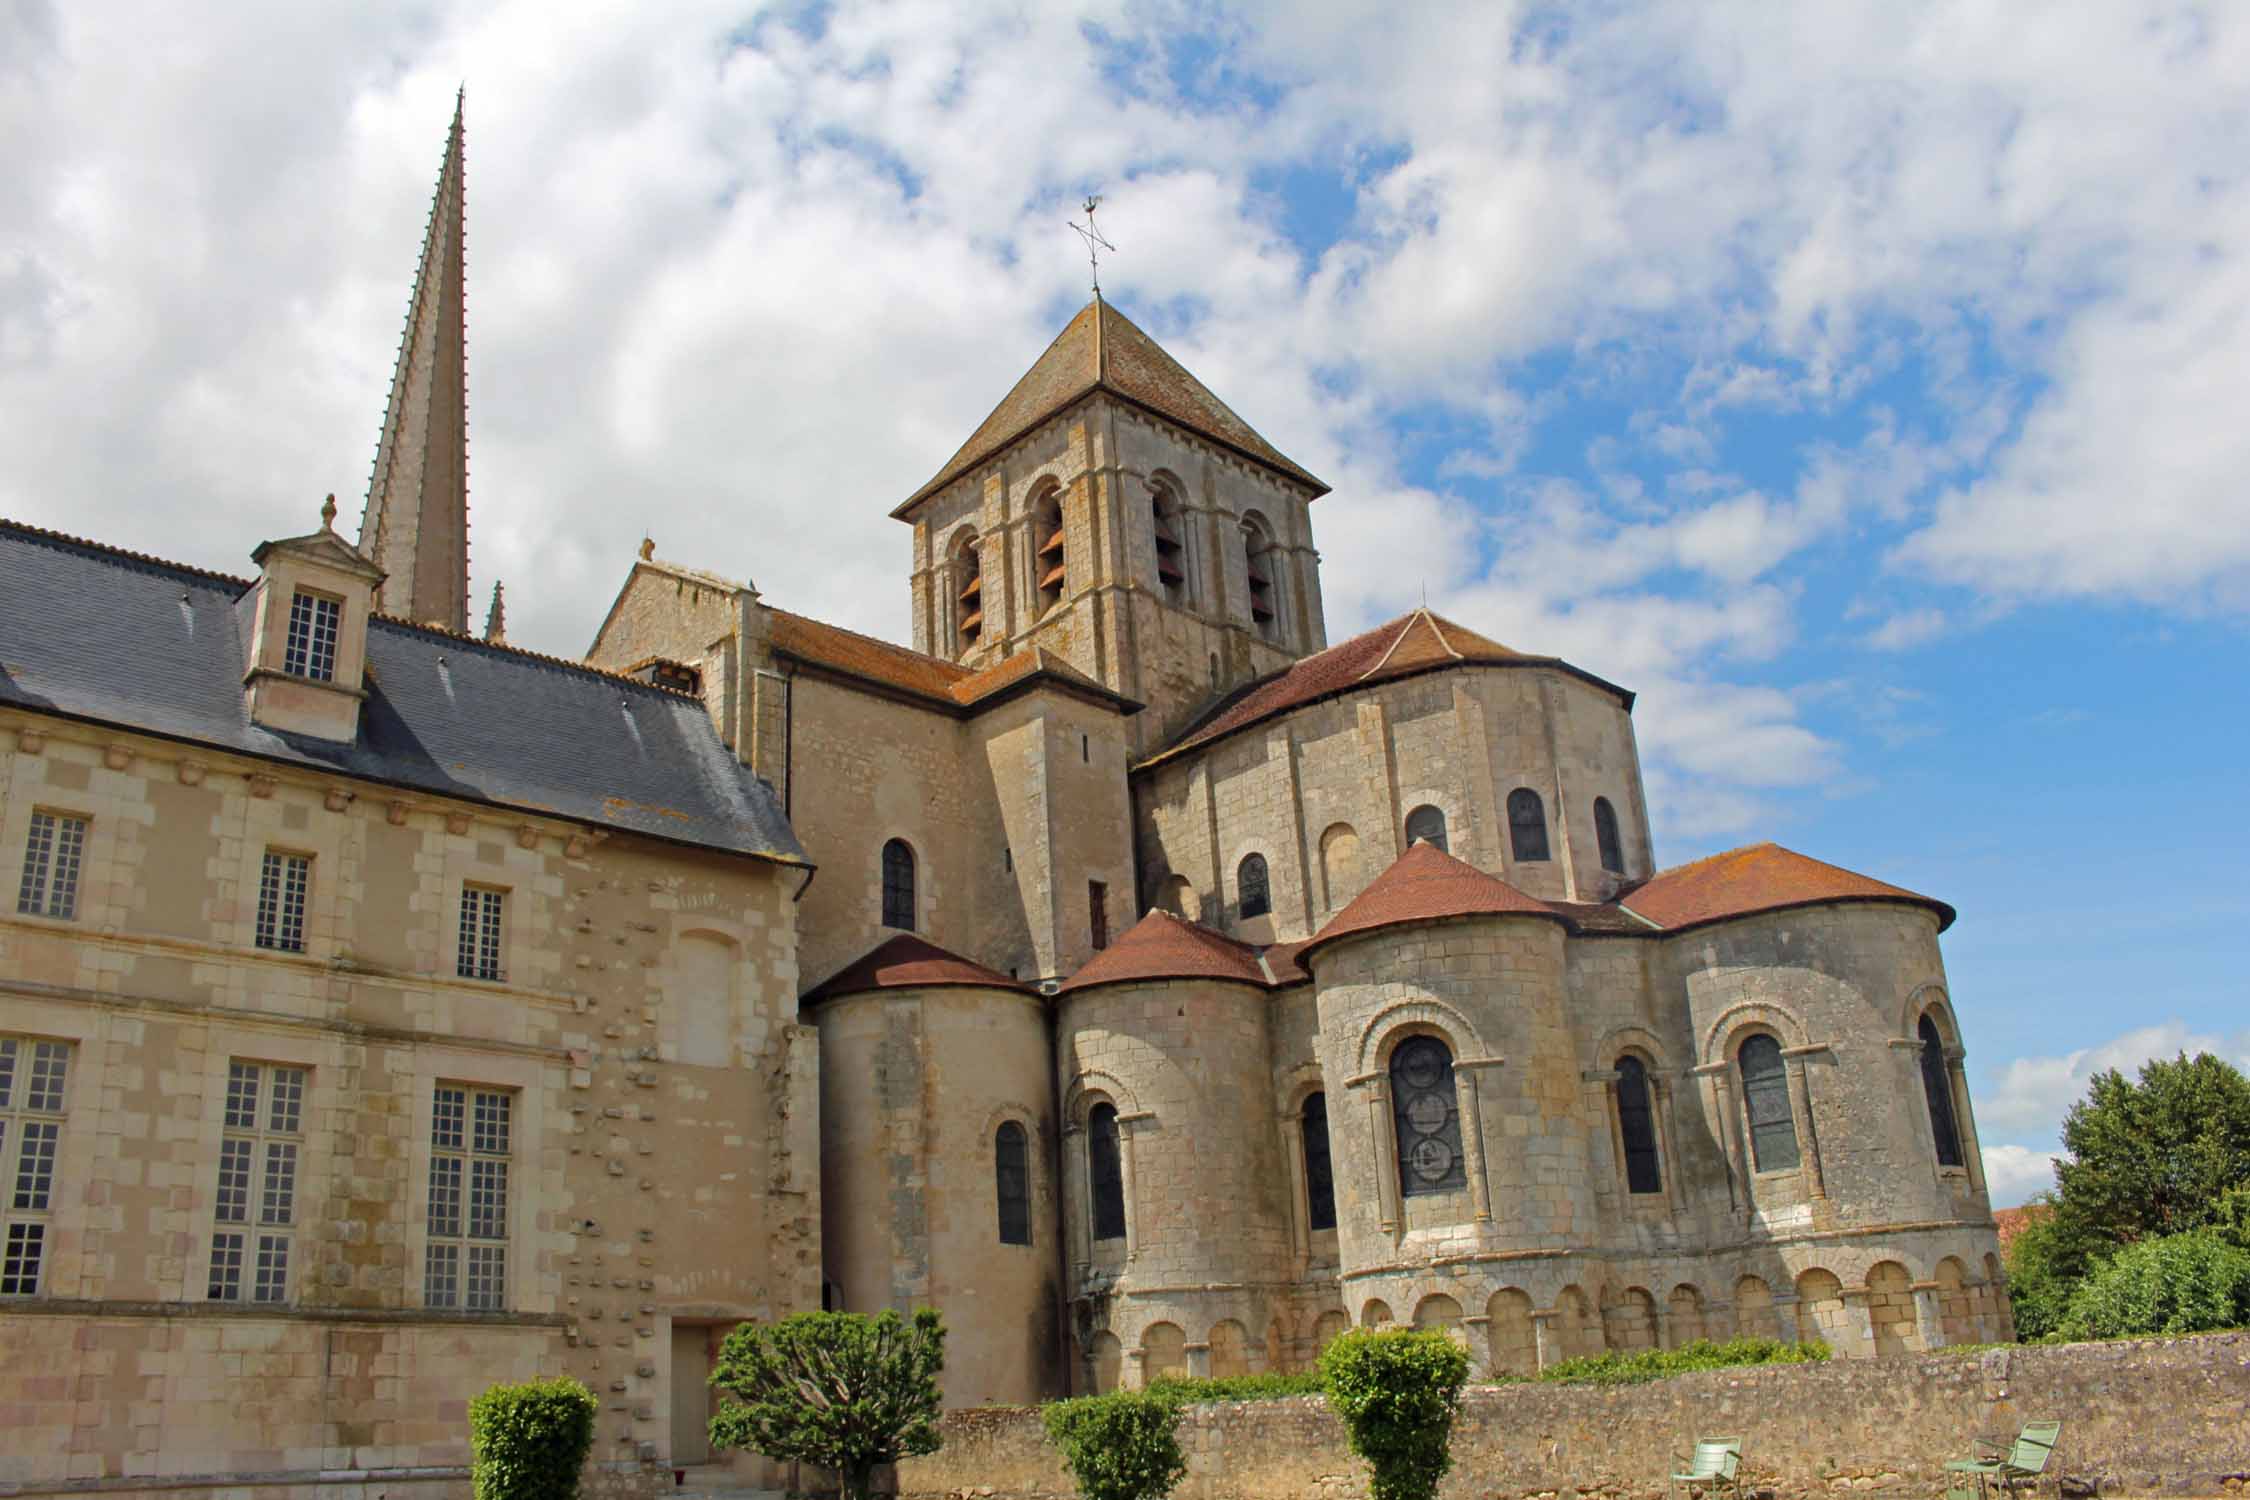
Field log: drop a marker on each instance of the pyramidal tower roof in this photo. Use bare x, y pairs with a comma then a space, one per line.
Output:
416, 525
1102, 349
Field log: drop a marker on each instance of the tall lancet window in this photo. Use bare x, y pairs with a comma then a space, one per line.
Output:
1636, 1122
1427, 1114
1105, 1167
1937, 1087
1320, 1177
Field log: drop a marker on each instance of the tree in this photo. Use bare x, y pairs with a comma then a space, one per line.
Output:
1396, 1390
530, 1441
844, 1391
2154, 1157
2176, 1283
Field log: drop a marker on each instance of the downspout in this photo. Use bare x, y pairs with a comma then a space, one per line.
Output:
788, 743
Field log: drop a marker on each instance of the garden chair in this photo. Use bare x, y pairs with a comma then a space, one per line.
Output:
1714, 1467
2011, 1466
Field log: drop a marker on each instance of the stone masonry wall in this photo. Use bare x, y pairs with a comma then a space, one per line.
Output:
2151, 1416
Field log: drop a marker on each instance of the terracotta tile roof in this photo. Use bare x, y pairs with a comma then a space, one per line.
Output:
1423, 885
2014, 1221
1281, 962
1411, 643
1603, 919
1162, 946
1102, 349
909, 671
907, 962
1760, 877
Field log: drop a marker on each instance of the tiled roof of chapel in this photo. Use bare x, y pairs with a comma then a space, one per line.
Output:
1162, 946
1102, 349
1426, 884
908, 962
1416, 642
930, 677
1758, 878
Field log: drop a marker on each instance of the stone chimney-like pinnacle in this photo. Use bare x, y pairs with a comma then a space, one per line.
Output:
496, 618
416, 525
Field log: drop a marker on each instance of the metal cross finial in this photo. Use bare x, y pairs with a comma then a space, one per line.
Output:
1095, 244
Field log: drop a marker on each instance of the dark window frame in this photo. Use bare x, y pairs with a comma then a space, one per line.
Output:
1636, 1124
1097, 913
1011, 1180
1937, 1089
1607, 843
898, 885
1527, 826
1766, 1104
1418, 828
1253, 887
1320, 1170
1426, 1118
1105, 1172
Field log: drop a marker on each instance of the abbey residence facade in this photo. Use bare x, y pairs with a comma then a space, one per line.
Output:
1124, 969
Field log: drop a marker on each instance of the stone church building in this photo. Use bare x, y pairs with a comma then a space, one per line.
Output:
1126, 971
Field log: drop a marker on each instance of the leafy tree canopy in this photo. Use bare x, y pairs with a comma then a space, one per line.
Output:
844, 1391
2155, 1156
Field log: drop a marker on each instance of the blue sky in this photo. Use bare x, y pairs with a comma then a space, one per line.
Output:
1862, 383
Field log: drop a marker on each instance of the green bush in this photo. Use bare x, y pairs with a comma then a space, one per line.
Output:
1123, 1446
530, 1441
2179, 1283
1270, 1386
1703, 1354
1396, 1390
844, 1391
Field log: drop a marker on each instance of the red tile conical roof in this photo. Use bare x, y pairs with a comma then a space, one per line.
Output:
1425, 884
1759, 877
908, 962
1162, 946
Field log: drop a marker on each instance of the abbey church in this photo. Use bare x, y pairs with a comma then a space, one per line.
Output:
1126, 970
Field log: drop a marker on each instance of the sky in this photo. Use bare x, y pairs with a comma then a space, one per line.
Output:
1862, 383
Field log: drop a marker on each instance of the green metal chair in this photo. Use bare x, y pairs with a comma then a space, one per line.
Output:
1714, 1468
2009, 1466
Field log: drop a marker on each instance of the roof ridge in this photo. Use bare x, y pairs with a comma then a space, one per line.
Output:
463, 638
147, 559
1720, 854
1405, 624
876, 640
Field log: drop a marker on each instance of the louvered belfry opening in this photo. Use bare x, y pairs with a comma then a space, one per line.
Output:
1171, 549
1257, 553
1051, 563
968, 601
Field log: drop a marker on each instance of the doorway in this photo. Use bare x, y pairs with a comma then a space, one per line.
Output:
691, 1397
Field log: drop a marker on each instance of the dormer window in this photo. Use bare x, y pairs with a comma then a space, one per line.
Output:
315, 621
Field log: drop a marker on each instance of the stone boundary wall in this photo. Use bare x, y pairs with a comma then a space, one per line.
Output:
2147, 1416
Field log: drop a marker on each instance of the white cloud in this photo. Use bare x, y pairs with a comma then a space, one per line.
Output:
2014, 1175
1907, 629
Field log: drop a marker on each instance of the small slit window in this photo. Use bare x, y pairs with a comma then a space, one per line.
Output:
1320, 1176
898, 885
315, 620
1426, 825
1606, 841
1252, 894
1765, 1099
1427, 1114
1937, 1087
1527, 824
1011, 1170
1097, 913
1636, 1121
1105, 1170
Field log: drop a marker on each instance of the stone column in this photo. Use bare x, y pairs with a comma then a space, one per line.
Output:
1125, 1174
1800, 1102
1078, 1226
1667, 1140
1134, 1372
1784, 1317
1476, 1331
1964, 1117
1199, 1361
1545, 1339
1726, 1120
1381, 1131
1859, 1318
1929, 1321
1465, 1076
1300, 1225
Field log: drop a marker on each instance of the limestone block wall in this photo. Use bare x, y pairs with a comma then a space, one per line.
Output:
2143, 1417
915, 1087
660, 1155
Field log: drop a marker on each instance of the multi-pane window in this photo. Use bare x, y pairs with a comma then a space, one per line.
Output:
314, 623
1765, 1098
1251, 889
1606, 842
32, 1076
1427, 1113
1527, 824
1320, 1176
466, 1264
1011, 1170
1426, 825
481, 910
51, 860
283, 882
1937, 1087
898, 885
1636, 1121
259, 1151
1105, 1165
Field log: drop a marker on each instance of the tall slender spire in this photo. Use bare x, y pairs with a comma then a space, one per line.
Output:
496, 618
416, 525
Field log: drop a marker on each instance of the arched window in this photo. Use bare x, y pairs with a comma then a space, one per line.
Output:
898, 885
1428, 1117
1011, 1170
1105, 1169
968, 584
1252, 895
1765, 1097
1171, 541
1320, 1180
1263, 565
1606, 841
1937, 1084
1050, 562
1527, 824
1636, 1121
1426, 825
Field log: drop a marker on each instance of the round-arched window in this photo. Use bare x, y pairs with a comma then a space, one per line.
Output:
1426, 825
1253, 896
898, 885
1427, 1114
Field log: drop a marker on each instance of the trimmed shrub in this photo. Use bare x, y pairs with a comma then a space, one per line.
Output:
1396, 1390
2180, 1283
530, 1441
1123, 1446
1703, 1354
844, 1391
1271, 1386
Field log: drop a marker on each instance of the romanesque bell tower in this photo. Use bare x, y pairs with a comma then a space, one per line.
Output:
1113, 511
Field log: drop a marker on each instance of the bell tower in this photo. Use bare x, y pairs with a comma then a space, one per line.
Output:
1114, 511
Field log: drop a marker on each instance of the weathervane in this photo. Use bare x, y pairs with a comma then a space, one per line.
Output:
1095, 244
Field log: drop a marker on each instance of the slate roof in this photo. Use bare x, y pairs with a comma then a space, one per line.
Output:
1102, 349
1758, 878
1425, 884
112, 637
930, 677
907, 962
1412, 643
